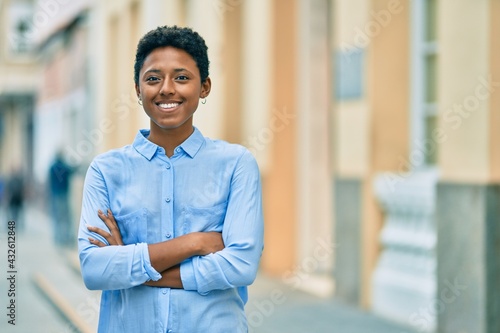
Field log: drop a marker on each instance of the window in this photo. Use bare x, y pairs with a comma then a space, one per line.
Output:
424, 79
20, 28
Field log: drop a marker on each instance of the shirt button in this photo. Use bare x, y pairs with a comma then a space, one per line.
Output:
177, 150
167, 199
168, 235
164, 292
167, 166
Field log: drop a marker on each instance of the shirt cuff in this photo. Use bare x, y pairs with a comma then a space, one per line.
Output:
187, 275
148, 269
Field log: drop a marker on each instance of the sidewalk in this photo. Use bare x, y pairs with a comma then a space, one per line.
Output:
274, 307
51, 277
50, 297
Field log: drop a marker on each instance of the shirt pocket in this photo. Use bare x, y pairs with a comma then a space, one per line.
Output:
204, 219
133, 226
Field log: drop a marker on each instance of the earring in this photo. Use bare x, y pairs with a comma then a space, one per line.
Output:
204, 101
139, 101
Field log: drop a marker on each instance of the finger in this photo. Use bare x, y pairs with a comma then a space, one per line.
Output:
109, 221
111, 216
96, 242
99, 231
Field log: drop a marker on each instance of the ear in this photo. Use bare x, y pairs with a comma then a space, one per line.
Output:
138, 90
206, 86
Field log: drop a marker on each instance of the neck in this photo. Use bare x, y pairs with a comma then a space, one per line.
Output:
169, 138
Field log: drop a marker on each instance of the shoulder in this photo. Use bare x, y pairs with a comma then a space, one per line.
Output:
113, 158
228, 150
231, 154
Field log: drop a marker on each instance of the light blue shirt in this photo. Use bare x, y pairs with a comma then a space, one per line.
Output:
207, 185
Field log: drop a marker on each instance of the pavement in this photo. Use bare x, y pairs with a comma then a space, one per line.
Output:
51, 297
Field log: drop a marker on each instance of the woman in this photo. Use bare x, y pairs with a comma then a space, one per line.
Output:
183, 233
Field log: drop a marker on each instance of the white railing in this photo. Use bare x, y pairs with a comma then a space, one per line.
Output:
404, 281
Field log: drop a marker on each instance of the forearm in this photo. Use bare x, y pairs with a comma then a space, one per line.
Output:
170, 253
170, 278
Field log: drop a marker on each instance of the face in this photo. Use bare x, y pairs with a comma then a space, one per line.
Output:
170, 88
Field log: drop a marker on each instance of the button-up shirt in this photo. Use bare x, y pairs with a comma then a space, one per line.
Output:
206, 185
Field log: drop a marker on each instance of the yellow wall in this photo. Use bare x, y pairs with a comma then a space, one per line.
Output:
389, 77
352, 131
232, 59
494, 62
279, 183
464, 53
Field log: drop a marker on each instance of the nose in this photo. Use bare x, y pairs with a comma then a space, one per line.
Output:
167, 88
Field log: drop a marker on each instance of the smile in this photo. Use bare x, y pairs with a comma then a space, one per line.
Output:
168, 106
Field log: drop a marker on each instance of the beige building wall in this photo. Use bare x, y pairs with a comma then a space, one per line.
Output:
352, 123
256, 85
121, 24
279, 186
494, 105
233, 63
313, 149
202, 17
463, 97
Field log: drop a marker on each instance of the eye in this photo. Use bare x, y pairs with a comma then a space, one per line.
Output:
182, 78
152, 79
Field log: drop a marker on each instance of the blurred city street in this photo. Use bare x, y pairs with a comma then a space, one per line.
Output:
375, 126
51, 297
35, 257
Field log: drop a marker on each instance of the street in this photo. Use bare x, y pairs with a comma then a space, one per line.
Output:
33, 256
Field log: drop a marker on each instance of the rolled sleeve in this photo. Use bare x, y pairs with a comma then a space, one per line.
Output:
148, 268
188, 277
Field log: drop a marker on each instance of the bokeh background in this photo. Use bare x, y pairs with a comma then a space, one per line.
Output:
376, 125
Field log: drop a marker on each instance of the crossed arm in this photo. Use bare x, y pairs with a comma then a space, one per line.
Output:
202, 260
165, 256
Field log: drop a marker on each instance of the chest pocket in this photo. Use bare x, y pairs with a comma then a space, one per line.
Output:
134, 226
204, 219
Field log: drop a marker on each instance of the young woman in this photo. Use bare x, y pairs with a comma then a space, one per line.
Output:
182, 235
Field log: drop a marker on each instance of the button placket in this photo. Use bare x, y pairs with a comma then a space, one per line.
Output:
168, 209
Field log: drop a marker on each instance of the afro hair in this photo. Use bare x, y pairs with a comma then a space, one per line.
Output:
185, 39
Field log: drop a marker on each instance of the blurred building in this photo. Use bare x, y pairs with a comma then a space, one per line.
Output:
18, 83
416, 172
374, 123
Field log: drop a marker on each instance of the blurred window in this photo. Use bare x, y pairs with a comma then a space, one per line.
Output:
349, 74
19, 25
424, 76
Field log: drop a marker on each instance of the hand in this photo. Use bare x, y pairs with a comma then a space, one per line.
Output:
208, 242
113, 236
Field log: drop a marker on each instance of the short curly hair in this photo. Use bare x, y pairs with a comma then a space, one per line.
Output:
182, 38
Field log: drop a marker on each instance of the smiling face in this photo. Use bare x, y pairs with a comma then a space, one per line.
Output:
170, 88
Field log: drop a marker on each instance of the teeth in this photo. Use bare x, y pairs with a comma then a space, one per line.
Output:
168, 106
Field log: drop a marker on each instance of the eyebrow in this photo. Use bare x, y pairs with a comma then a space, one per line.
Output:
177, 70
152, 71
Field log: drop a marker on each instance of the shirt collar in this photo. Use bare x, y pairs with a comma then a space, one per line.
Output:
146, 148
192, 145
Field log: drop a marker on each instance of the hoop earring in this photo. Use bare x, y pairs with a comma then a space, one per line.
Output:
139, 101
204, 101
